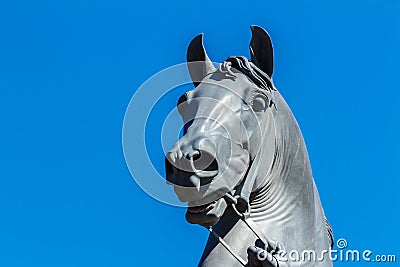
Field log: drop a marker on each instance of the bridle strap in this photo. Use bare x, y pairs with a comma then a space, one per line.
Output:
225, 245
245, 217
243, 192
240, 203
240, 199
272, 246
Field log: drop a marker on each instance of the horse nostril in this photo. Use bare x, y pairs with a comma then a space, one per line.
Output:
204, 163
195, 155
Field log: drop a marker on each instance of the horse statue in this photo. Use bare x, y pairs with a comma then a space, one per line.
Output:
242, 165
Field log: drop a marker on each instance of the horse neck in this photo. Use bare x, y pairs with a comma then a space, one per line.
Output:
284, 205
289, 167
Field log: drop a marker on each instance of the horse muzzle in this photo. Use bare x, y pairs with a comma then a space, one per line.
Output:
203, 168
191, 167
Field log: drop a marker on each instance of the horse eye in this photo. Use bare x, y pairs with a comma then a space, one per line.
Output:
260, 103
181, 103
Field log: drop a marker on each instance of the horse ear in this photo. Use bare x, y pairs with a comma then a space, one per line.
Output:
261, 50
199, 64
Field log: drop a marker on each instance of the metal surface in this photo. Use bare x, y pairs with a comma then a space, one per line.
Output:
242, 151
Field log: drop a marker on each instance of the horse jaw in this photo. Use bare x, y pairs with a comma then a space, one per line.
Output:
206, 215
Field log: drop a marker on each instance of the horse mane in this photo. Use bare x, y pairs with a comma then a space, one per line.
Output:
242, 64
263, 81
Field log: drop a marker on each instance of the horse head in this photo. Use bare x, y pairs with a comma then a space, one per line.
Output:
224, 116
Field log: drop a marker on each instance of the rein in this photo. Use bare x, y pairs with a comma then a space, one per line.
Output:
245, 217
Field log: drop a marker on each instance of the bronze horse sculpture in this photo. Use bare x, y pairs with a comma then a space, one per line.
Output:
242, 165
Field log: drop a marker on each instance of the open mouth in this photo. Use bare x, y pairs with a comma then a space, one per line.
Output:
208, 214
202, 209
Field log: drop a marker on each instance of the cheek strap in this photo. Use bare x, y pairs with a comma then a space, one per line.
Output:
243, 191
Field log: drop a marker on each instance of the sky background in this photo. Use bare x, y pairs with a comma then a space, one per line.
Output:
69, 69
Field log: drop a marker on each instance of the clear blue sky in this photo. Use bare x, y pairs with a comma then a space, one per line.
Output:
67, 73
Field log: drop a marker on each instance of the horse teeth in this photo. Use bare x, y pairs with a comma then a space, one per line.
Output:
203, 210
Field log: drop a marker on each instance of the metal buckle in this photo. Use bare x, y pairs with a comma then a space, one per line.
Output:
238, 201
